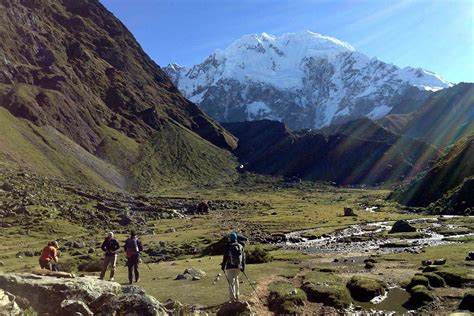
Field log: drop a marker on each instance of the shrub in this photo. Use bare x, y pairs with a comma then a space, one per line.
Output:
336, 296
364, 288
257, 255
434, 279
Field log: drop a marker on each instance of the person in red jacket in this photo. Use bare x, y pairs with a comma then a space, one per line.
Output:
49, 256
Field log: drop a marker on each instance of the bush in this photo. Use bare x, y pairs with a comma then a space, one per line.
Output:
418, 280
257, 255
364, 288
336, 296
420, 295
434, 279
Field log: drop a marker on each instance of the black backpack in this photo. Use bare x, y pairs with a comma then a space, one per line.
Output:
235, 255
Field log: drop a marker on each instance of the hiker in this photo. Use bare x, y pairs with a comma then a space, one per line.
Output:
132, 248
110, 247
233, 262
49, 256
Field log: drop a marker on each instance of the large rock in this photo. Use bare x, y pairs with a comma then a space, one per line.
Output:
467, 302
402, 226
365, 288
86, 295
234, 309
8, 306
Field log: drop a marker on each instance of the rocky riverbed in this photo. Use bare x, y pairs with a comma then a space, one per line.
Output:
376, 237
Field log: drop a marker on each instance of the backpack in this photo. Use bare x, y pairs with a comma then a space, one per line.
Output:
235, 255
132, 247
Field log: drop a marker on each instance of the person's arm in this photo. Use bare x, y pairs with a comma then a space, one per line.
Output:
125, 245
55, 255
224, 258
103, 246
139, 244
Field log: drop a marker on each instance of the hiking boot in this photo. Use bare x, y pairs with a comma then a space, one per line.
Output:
111, 279
137, 280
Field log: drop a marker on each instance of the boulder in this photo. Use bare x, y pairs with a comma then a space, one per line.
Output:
349, 212
234, 309
80, 295
402, 226
364, 288
75, 307
467, 302
439, 262
426, 263
195, 273
8, 306
7, 187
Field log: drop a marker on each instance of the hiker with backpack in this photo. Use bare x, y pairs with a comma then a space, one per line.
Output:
49, 256
132, 248
233, 262
110, 247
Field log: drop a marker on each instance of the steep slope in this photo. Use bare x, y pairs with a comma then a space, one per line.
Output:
72, 73
363, 128
305, 80
445, 117
450, 181
336, 158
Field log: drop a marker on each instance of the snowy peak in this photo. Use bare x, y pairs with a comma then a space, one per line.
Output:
304, 79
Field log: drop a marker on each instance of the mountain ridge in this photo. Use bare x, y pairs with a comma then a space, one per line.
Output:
304, 79
73, 73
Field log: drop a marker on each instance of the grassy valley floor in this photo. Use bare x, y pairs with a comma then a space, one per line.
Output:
36, 210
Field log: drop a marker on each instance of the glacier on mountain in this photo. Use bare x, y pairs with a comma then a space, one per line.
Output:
306, 80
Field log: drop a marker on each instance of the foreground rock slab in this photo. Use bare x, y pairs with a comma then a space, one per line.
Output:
86, 295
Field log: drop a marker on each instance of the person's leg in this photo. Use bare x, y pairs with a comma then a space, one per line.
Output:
233, 286
137, 274
236, 284
130, 270
113, 263
105, 265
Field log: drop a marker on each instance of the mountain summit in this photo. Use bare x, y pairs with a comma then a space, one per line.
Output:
306, 80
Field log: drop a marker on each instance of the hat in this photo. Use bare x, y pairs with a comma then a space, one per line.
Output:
110, 234
233, 236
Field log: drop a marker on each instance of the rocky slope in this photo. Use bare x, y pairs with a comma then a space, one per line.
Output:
269, 147
80, 98
305, 80
448, 184
445, 117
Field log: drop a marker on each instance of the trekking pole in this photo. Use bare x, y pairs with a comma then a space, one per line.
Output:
254, 289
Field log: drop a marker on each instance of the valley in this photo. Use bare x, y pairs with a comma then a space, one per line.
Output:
301, 226
349, 180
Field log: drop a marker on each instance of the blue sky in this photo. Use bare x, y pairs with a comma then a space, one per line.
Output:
437, 35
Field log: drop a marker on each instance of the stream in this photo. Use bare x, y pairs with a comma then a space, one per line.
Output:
366, 238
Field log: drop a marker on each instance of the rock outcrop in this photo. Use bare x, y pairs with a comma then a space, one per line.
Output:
402, 226
86, 295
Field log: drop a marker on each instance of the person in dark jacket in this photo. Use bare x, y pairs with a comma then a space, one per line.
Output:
110, 247
233, 262
132, 248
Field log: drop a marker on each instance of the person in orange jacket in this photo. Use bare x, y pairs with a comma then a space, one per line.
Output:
49, 256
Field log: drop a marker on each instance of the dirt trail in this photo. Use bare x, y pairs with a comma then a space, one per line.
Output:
258, 307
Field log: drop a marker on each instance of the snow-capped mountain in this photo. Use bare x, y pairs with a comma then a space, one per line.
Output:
305, 79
